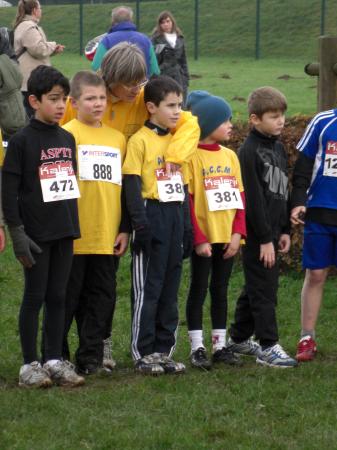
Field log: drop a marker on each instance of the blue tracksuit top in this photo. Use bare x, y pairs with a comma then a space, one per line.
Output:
319, 143
127, 31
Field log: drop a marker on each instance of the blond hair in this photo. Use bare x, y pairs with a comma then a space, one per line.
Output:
266, 99
123, 64
84, 78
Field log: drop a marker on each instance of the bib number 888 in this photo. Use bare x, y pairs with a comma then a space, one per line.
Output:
102, 172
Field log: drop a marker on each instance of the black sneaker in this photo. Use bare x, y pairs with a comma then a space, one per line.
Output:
226, 356
199, 359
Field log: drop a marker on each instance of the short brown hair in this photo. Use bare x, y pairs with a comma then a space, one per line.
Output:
266, 99
84, 78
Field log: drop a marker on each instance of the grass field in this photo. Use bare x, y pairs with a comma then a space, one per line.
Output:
229, 408
243, 408
288, 28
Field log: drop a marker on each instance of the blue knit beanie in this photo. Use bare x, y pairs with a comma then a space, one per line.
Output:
210, 110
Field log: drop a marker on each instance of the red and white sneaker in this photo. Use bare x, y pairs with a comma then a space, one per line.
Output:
306, 349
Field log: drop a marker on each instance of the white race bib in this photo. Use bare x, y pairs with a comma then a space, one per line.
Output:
222, 193
58, 181
330, 160
99, 163
170, 189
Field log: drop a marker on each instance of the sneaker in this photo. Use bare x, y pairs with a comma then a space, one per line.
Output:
306, 349
226, 356
276, 357
63, 374
108, 362
149, 365
199, 359
34, 375
248, 347
169, 365
88, 369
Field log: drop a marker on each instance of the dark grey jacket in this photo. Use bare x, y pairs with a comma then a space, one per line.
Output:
172, 61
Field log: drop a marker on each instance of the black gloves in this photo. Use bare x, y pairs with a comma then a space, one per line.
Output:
23, 246
142, 240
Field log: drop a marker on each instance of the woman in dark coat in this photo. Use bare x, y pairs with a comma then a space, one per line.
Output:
169, 46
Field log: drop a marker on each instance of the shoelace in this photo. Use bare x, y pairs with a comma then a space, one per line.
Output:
279, 351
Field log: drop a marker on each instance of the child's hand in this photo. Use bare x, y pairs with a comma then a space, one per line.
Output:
267, 255
232, 248
2, 239
284, 243
297, 215
171, 168
204, 250
121, 244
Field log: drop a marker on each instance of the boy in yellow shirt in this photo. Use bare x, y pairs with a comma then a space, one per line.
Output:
91, 292
155, 202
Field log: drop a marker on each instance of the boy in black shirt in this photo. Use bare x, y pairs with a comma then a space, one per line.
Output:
264, 172
40, 208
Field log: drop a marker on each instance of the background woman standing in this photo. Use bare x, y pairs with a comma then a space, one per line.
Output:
30, 43
169, 45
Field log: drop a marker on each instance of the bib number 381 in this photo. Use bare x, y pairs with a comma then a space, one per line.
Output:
223, 196
170, 189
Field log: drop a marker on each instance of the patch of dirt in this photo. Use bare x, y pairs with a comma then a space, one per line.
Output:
194, 76
238, 99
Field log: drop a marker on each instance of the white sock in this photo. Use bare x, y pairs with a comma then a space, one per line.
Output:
218, 339
196, 339
52, 362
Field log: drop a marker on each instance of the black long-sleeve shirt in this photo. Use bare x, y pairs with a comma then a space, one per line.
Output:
264, 172
35, 146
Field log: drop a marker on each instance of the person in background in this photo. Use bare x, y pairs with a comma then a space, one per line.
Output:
30, 43
169, 45
123, 29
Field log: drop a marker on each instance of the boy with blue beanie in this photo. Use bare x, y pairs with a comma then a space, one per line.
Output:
218, 219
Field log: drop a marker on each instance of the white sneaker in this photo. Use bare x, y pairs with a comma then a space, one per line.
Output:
108, 362
63, 373
276, 357
34, 375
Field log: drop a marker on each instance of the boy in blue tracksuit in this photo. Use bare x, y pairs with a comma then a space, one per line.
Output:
315, 196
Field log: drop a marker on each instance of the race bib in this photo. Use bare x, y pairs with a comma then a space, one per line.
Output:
222, 193
330, 160
99, 163
170, 189
58, 181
